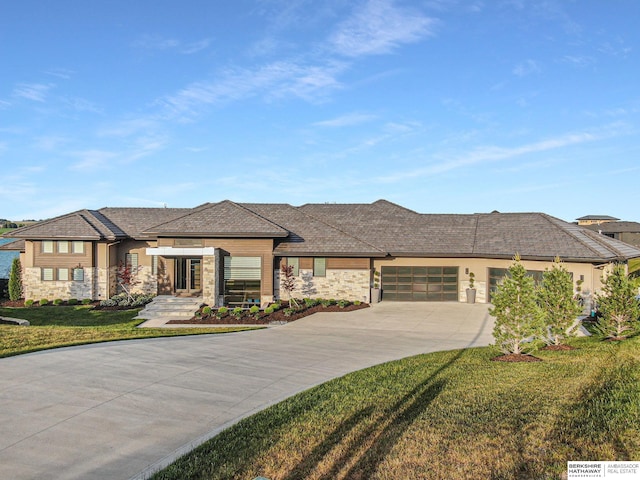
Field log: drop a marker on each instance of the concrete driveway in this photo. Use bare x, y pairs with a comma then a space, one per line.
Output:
122, 410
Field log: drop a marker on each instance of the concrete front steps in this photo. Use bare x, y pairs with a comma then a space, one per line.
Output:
166, 307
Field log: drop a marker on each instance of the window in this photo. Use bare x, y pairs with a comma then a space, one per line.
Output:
77, 247
78, 274
47, 246
319, 267
131, 260
295, 263
47, 274
63, 274
63, 247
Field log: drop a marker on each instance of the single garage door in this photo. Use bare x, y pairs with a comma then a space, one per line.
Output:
420, 284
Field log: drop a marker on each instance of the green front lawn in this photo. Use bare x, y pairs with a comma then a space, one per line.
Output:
451, 414
63, 326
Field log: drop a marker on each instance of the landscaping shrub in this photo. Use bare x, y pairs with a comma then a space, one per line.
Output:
269, 310
222, 311
343, 303
254, 310
619, 307
57, 301
86, 301
519, 319
357, 302
310, 302
276, 306
289, 311
43, 302
72, 301
206, 310
237, 312
15, 281
28, 303
325, 303
124, 300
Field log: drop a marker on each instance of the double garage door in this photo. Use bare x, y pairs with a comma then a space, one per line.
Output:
420, 284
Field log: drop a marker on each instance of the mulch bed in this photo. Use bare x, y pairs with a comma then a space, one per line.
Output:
516, 357
263, 319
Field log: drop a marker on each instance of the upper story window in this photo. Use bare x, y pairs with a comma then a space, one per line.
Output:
63, 247
77, 247
47, 246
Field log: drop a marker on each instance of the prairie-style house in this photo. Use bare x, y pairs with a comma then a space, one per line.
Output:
231, 253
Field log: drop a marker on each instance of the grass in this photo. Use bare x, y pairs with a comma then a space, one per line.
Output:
63, 326
450, 414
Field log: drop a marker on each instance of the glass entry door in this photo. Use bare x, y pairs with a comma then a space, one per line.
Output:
188, 275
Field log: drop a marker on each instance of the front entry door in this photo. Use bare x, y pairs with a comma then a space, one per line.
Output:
188, 275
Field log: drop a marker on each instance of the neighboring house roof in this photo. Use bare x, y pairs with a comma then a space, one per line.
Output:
599, 217
14, 246
222, 219
616, 227
377, 229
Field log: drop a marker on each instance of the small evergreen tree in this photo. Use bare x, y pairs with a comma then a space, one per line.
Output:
15, 280
558, 304
519, 320
618, 305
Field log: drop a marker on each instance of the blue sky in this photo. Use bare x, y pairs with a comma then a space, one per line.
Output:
443, 106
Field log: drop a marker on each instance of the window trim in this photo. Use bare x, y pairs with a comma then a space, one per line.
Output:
60, 271
73, 274
62, 247
77, 243
43, 274
48, 243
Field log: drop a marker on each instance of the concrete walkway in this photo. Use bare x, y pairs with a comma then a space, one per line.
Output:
122, 410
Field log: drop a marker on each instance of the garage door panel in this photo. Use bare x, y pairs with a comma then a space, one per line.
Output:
417, 283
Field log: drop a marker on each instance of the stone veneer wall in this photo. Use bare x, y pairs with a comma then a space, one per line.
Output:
147, 281
338, 284
209, 294
36, 289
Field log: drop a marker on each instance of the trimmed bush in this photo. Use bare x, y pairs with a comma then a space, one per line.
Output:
343, 303
57, 301
28, 303
254, 310
86, 301
237, 312
357, 302
289, 311
222, 311
310, 302
206, 310
15, 280
269, 310
72, 301
43, 302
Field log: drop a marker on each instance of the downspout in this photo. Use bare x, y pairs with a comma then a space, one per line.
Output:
108, 259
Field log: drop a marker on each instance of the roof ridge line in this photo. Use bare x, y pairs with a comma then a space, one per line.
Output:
238, 205
577, 227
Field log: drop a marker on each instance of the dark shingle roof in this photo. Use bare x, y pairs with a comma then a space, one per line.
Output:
222, 219
81, 225
14, 246
372, 230
309, 235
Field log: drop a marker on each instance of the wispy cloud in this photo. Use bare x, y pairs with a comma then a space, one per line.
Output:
274, 80
81, 105
380, 27
145, 146
92, 159
62, 73
488, 154
157, 42
580, 61
528, 67
32, 91
348, 120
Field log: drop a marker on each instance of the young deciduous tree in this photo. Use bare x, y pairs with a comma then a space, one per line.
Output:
15, 280
519, 320
558, 304
127, 277
618, 305
288, 283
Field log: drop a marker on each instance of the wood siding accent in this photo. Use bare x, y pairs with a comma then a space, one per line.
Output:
339, 263
62, 260
306, 263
